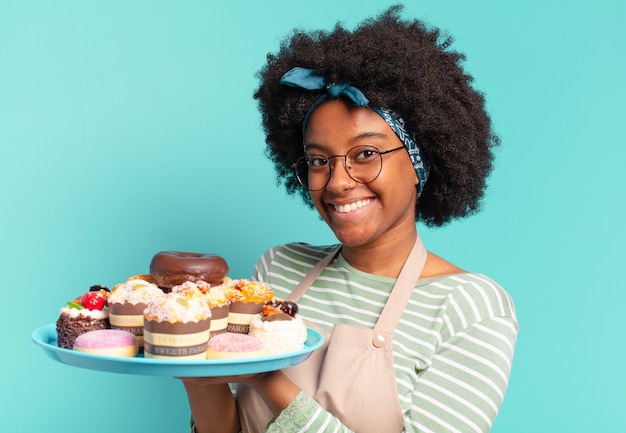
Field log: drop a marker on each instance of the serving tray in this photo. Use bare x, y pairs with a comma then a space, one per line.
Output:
46, 337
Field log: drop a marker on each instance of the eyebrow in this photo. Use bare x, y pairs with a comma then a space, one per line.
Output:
362, 136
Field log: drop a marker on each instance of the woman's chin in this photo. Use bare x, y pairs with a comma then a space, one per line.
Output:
352, 238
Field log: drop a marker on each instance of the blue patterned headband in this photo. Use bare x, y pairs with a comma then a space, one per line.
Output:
309, 79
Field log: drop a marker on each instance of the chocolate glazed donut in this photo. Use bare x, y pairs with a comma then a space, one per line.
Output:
171, 268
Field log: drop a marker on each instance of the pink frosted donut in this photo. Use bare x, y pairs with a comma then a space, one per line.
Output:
233, 345
108, 342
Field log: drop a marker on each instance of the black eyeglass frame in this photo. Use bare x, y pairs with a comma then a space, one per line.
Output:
345, 165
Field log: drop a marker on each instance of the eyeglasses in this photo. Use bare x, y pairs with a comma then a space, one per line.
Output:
362, 163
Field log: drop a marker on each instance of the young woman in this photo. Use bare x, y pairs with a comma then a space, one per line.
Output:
377, 128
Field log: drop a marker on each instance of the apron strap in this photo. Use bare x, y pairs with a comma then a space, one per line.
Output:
403, 288
315, 272
399, 296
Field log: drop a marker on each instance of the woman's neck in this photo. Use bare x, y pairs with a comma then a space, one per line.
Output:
384, 258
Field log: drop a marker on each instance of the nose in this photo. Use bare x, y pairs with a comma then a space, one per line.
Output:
339, 179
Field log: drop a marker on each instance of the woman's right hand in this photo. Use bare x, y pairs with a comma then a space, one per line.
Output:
212, 405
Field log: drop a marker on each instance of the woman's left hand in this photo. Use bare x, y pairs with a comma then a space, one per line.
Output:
276, 389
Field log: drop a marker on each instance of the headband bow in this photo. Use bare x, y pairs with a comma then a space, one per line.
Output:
310, 79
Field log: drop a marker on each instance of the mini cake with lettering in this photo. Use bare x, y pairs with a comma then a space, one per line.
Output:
216, 297
177, 326
84, 313
279, 327
247, 299
128, 300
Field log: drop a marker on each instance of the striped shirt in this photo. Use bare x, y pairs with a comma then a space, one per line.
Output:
452, 348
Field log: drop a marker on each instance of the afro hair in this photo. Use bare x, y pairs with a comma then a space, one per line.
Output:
398, 64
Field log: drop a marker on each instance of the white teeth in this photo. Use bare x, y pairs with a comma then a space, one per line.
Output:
344, 208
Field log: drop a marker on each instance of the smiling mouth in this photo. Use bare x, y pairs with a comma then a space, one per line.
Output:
345, 208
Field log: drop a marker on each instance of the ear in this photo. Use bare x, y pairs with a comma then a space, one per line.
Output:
416, 180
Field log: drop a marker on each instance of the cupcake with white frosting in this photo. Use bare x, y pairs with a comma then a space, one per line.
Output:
216, 297
177, 326
128, 300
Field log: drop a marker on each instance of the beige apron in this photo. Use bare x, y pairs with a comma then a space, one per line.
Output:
352, 374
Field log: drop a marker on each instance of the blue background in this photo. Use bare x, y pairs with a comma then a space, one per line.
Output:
128, 127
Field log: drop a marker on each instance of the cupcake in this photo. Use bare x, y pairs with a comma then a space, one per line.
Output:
247, 299
87, 312
216, 297
177, 326
128, 300
279, 327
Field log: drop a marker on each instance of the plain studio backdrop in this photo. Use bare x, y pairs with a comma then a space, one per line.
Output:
128, 127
